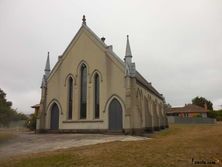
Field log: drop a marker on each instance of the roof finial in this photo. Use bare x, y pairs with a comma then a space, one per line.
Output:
84, 19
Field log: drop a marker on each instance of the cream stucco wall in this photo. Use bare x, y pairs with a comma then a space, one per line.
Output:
85, 49
154, 108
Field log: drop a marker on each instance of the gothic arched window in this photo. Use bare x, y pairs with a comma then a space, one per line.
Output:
96, 96
70, 97
83, 93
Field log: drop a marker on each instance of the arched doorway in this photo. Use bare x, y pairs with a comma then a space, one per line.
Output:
115, 116
54, 117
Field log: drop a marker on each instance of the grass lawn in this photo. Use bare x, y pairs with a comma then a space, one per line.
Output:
173, 147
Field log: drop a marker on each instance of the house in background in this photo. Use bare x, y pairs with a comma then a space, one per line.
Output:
189, 110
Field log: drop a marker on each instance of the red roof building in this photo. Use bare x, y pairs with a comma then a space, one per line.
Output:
189, 110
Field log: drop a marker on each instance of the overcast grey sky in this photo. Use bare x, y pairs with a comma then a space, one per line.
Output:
176, 44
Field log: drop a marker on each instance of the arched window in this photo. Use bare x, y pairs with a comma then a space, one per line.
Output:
83, 93
70, 97
96, 96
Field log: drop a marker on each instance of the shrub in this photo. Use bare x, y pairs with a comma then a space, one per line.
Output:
198, 116
31, 122
212, 114
215, 114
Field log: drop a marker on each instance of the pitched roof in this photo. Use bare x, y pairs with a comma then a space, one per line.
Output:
189, 108
139, 77
101, 43
147, 85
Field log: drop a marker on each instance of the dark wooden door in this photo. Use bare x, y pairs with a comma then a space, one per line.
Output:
115, 116
55, 117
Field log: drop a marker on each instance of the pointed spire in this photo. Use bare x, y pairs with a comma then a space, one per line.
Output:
128, 50
129, 65
47, 66
84, 20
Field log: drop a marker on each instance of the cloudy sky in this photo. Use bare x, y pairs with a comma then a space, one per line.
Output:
176, 44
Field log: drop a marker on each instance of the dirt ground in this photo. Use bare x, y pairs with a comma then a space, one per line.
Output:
28, 142
180, 145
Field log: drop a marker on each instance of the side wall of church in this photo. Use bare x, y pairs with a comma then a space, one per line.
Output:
149, 114
97, 60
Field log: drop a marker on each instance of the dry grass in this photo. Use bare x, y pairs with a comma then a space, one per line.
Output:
173, 147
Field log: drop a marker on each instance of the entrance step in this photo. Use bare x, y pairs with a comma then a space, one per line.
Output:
53, 131
114, 132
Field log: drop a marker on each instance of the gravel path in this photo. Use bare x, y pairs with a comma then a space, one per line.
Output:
28, 142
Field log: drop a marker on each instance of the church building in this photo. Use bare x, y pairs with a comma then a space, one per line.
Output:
92, 90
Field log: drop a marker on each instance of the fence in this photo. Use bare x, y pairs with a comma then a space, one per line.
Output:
14, 124
190, 120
